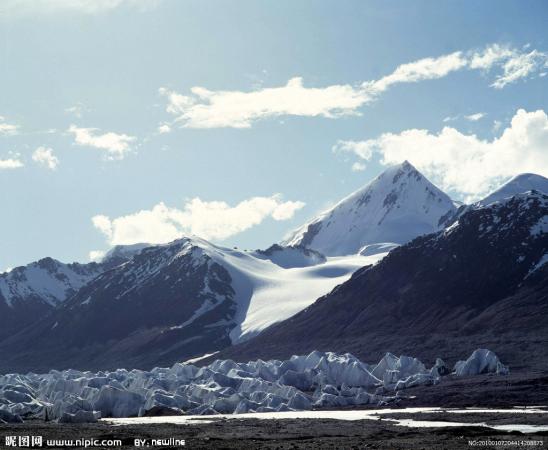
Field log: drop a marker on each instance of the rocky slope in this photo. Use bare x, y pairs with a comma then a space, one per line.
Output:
28, 293
135, 311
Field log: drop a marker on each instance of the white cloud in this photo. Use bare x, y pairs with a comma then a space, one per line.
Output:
10, 163
164, 128
96, 255
490, 56
515, 64
360, 148
116, 145
423, 69
520, 66
358, 166
103, 224
213, 109
77, 110
7, 129
470, 117
465, 163
45, 156
210, 220
204, 108
475, 117
18, 7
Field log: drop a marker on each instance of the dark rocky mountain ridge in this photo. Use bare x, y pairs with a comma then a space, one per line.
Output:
138, 314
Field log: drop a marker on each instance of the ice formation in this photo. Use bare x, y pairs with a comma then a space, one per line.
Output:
301, 383
481, 361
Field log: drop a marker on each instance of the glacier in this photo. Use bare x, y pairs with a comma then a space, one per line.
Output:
306, 382
275, 284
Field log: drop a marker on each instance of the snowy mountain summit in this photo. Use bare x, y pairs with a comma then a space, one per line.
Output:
517, 185
397, 206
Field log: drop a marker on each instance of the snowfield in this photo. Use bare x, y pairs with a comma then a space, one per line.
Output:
317, 380
271, 286
267, 293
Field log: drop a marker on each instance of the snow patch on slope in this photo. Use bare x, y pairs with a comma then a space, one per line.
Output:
47, 280
267, 293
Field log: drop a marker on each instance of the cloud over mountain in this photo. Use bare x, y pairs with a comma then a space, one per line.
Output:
463, 162
215, 220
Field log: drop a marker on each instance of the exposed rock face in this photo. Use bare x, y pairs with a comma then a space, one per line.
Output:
290, 257
482, 281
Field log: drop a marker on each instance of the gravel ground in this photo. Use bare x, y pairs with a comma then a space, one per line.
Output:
277, 434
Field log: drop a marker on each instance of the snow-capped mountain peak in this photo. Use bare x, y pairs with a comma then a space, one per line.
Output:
48, 280
517, 185
397, 206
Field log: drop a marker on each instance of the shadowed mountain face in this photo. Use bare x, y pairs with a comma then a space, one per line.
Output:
30, 292
480, 282
141, 313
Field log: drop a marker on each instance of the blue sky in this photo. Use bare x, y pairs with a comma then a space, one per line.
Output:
104, 138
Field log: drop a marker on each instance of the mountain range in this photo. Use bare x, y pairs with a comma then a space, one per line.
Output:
483, 281
395, 266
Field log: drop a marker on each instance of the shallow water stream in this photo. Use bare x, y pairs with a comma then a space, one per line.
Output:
367, 414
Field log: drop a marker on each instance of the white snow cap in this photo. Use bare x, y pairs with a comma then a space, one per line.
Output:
47, 280
517, 185
397, 206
